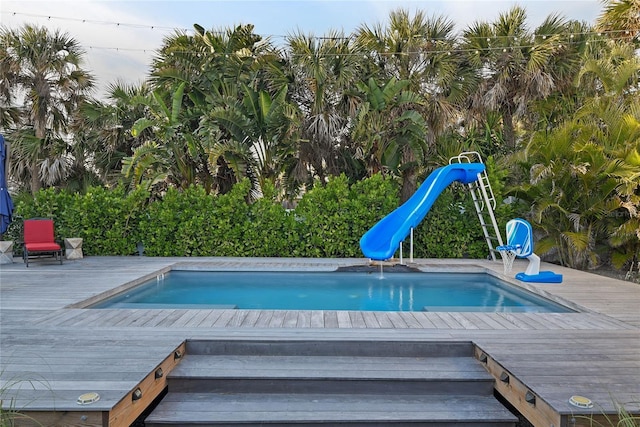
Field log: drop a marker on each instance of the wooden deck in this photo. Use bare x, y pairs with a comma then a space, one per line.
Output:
52, 350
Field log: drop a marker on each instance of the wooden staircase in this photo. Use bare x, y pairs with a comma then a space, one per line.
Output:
329, 383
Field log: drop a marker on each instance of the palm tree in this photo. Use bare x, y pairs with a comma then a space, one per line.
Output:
258, 125
323, 71
46, 77
517, 66
386, 122
620, 19
615, 72
421, 51
583, 187
614, 113
102, 129
581, 178
550, 111
559, 190
169, 151
230, 103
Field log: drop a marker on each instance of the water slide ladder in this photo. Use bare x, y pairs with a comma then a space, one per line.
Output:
484, 201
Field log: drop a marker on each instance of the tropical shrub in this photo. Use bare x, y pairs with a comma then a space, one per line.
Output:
177, 224
451, 229
328, 221
270, 229
106, 219
332, 218
581, 183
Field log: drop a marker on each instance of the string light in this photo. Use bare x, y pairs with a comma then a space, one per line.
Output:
117, 24
92, 21
448, 51
497, 41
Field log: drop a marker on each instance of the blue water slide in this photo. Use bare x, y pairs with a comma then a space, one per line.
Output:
382, 240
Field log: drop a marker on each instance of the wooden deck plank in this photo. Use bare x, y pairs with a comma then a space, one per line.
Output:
290, 319
452, 320
490, 321
250, 319
304, 319
383, 319
317, 319
204, 318
370, 319
344, 321
516, 320
596, 352
437, 321
330, 319
314, 409
223, 319
160, 319
277, 319
200, 318
601, 321
264, 319
410, 320
423, 320
62, 316
238, 318
187, 315
357, 319
81, 318
555, 320
536, 321
396, 320
171, 318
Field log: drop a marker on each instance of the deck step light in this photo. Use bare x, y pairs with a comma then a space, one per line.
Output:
136, 395
530, 398
177, 355
483, 358
504, 377
581, 402
159, 373
87, 398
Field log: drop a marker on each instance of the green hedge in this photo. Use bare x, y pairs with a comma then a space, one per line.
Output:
106, 219
327, 222
452, 228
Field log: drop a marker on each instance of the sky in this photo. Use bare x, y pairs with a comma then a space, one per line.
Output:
120, 37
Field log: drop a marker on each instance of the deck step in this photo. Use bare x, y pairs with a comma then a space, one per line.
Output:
329, 383
218, 409
330, 374
331, 348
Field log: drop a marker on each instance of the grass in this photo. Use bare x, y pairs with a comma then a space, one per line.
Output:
624, 418
10, 414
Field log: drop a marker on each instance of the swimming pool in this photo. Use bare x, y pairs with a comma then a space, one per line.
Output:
451, 292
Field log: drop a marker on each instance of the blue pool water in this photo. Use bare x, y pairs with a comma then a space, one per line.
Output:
332, 291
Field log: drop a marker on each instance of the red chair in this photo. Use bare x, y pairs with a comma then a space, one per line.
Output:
39, 240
